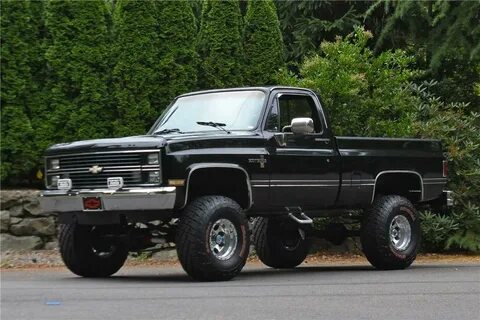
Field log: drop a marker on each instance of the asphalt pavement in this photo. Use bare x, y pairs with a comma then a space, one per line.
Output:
308, 292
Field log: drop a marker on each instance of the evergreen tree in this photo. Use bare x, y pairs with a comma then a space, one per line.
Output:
16, 149
78, 56
38, 98
220, 44
177, 55
263, 43
305, 23
135, 76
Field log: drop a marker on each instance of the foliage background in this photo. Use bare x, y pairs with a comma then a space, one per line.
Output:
86, 69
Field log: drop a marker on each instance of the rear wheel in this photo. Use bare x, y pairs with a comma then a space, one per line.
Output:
279, 242
212, 239
390, 233
91, 251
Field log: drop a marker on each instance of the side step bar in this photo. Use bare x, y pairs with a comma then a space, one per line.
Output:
298, 216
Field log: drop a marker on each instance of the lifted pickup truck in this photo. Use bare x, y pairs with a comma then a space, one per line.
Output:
215, 159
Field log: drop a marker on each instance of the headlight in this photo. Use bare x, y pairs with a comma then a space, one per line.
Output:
54, 164
154, 177
153, 158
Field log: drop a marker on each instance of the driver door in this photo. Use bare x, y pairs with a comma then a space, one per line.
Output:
304, 169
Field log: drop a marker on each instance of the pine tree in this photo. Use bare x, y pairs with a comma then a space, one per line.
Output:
78, 55
16, 150
177, 55
263, 43
135, 76
220, 44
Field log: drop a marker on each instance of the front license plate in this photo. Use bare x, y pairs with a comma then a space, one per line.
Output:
92, 203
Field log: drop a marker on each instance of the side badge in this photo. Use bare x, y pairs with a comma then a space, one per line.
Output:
262, 161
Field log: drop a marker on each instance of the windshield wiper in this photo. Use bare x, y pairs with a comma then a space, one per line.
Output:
217, 125
165, 131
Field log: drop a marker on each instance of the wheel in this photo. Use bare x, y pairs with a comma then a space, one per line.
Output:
212, 239
279, 242
390, 233
87, 253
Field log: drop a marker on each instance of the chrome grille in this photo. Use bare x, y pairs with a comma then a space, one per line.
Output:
131, 166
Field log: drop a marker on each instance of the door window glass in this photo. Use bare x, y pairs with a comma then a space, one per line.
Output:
298, 106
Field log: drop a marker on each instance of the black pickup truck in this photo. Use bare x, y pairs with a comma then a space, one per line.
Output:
215, 160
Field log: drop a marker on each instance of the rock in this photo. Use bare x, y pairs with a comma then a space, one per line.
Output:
165, 255
4, 220
51, 245
15, 220
34, 226
9, 198
33, 207
10, 242
16, 211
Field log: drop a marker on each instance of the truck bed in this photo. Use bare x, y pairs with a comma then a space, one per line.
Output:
365, 159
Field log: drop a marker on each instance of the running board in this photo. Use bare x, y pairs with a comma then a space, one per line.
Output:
296, 214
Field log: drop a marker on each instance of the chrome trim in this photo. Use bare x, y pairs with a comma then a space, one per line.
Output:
305, 185
102, 152
195, 167
398, 171
160, 198
326, 180
305, 150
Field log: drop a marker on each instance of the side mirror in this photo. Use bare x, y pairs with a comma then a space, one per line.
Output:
302, 126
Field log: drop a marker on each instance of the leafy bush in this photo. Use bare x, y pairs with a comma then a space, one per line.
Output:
263, 44
366, 95
459, 131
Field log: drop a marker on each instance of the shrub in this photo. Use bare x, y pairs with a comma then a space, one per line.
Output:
135, 75
220, 45
458, 128
17, 150
78, 56
177, 60
365, 95
263, 44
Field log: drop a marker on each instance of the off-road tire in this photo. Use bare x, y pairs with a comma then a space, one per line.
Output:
270, 247
375, 233
75, 242
193, 238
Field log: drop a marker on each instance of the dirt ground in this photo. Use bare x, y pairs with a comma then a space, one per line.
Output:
51, 259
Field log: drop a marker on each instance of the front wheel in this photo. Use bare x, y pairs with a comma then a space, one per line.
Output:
390, 233
212, 239
87, 251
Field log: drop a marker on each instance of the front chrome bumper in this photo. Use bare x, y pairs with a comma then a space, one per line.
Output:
161, 198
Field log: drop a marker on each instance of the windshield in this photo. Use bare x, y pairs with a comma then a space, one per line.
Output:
233, 110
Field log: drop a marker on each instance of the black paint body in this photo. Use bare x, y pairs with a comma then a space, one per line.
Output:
315, 172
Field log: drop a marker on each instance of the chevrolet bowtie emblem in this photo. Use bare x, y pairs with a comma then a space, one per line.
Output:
95, 169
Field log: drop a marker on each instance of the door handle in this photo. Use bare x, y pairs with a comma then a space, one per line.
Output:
326, 140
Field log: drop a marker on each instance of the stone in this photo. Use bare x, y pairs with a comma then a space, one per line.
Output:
16, 211
10, 242
33, 208
51, 245
9, 198
34, 226
165, 255
4, 220
15, 220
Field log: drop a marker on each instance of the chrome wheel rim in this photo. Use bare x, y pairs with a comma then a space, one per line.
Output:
400, 233
223, 239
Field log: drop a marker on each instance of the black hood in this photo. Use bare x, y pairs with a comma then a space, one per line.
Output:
111, 144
